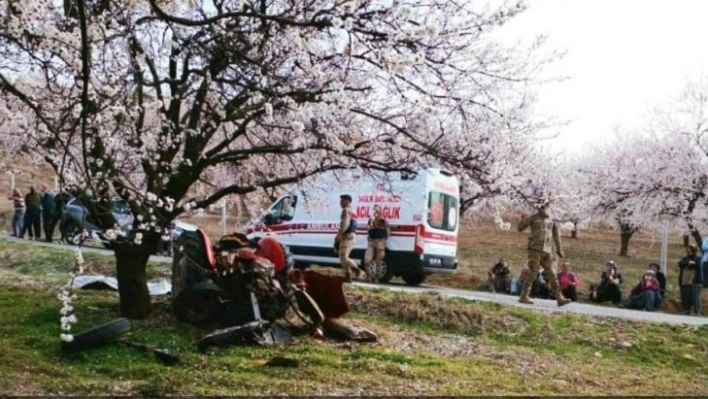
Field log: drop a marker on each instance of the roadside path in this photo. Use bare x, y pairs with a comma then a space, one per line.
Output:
539, 304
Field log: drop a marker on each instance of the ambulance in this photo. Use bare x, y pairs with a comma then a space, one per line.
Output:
422, 210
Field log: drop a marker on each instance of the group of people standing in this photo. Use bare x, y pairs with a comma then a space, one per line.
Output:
33, 211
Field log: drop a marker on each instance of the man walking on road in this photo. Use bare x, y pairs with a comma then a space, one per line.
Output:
540, 250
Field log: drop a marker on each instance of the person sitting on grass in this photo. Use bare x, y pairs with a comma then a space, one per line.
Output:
609, 287
499, 277
568, 282
661, 278
645, 295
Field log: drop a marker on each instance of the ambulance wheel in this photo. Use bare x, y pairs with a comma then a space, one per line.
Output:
413, 279
379, 274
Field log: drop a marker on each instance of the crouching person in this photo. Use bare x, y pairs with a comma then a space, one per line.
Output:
645, 295
499, 277
568, 282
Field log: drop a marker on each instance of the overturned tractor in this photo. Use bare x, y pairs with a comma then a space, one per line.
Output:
218, 284
244, 286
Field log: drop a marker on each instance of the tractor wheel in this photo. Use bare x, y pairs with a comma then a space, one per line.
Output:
188, 259
198, 305
98, 335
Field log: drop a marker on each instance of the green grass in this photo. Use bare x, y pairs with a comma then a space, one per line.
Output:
428, 345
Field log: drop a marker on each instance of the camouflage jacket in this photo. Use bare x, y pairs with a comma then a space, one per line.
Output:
543, 230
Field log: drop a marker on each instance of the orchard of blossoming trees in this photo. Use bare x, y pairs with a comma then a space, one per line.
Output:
141, 99
657, 175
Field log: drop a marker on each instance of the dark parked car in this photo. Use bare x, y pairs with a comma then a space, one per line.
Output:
77, 219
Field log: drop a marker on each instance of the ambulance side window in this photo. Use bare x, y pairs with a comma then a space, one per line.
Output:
282, 211
442, 211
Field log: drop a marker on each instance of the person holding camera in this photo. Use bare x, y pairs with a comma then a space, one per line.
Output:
691, 280
645, 295
609, 288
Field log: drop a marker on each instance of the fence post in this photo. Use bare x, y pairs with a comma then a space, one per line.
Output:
664, 245
12, 181
223, 216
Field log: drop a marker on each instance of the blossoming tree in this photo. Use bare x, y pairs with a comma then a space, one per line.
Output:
139, 99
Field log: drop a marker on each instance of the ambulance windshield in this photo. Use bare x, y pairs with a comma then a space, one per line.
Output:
442, 211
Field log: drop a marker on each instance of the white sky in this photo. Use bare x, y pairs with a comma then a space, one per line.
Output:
623, 56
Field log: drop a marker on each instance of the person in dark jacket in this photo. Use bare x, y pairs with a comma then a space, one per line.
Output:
609, 287
691, 280
32, 223
644, 295
49, 216
499, 277
60, 201
18, 204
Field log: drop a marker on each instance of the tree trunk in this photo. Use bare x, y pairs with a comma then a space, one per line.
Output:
625, 237
574, 232
131, 267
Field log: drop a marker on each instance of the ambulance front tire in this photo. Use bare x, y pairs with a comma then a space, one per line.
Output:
413, 279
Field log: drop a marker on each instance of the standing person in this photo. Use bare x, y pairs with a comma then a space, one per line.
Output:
344, 241
704, 262
691, 280
378, 231
543, 229
60, 201
32, 223
49, 216
18, 205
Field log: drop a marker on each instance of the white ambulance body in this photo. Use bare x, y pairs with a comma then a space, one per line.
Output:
422, 211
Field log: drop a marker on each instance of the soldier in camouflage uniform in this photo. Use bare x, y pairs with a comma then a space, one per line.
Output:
540, 250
